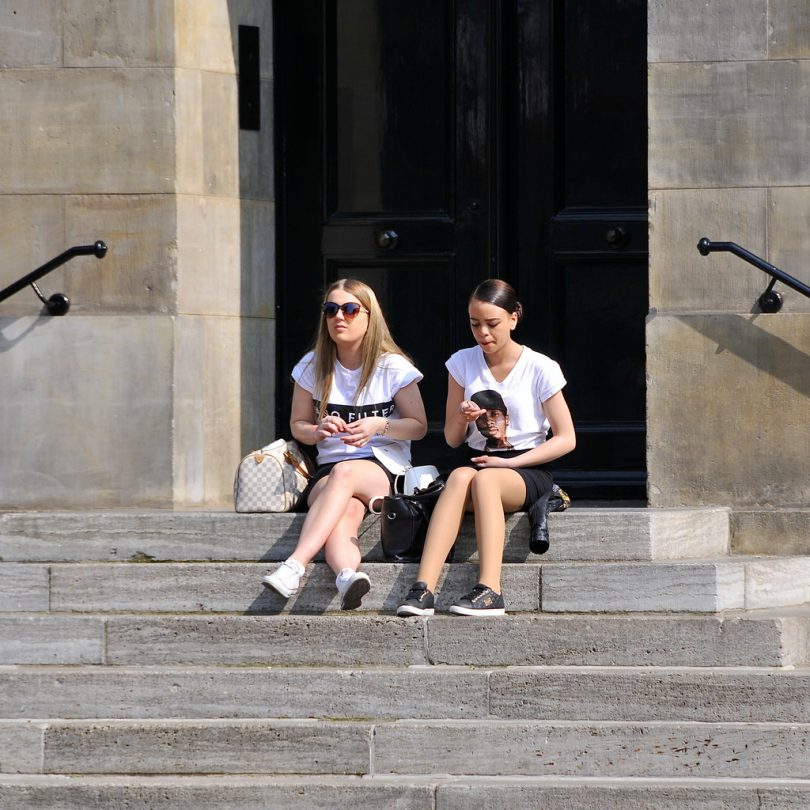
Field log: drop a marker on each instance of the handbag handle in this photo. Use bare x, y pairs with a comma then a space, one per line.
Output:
291, 459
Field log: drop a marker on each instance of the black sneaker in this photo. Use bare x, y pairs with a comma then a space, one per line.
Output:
480, 601
418, 602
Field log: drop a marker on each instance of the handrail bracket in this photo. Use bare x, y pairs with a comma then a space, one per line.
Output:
58, 303
770, 300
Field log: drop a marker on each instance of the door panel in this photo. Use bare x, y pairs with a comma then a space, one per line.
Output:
580, 236
424, 145
389, 60
399, 175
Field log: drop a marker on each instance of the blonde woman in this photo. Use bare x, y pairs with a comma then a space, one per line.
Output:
355, 390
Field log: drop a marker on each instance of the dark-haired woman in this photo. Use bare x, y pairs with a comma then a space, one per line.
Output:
357, 389
500, 375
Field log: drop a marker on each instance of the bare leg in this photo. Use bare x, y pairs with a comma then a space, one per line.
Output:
494, 492
342, 548
445, 524
331, 498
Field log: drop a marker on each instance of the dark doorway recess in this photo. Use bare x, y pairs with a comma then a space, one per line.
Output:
424, 146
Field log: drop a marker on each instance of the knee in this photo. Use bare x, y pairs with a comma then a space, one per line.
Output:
484, 481
341, 476
461, 478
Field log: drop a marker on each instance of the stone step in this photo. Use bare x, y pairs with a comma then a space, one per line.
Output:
652, 749
730, 583
27, 792
743, 694
160, 535
760, 638
753, 530
692, 585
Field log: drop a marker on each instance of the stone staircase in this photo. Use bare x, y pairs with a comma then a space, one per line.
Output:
642, 665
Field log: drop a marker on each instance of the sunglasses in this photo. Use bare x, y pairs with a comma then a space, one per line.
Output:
350, 310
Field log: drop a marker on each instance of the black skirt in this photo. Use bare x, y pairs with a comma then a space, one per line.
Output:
538, 480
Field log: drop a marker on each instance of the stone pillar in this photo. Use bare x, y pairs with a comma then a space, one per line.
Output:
119, 122
729, 159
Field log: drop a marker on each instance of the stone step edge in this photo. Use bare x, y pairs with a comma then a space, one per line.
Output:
350, 780
771, 637
42, 694
635, 533
415, 792
801, 611
407, 747
706, 585
785, 671
46, 723
534, 560
208, 615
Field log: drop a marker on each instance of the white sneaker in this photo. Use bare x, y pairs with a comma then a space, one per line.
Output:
285, 579
352, 587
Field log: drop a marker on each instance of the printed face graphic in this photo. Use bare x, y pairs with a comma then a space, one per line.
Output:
493, 424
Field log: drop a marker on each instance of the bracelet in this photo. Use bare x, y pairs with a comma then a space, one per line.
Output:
385, 428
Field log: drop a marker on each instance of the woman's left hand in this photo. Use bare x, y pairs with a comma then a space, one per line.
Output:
491, 461
360, 433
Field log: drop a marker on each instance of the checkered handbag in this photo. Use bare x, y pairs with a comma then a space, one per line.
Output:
272, 479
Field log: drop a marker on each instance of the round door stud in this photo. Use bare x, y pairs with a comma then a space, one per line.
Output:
616, 236
387, 239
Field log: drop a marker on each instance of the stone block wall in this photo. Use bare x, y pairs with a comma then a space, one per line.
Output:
729, 159
119, 122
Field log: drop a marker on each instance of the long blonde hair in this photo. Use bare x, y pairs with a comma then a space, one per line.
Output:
376, 342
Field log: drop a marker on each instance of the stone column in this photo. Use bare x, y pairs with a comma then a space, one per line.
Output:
729, 159
119, 122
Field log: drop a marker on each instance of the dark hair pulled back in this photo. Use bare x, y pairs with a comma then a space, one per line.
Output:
498, 292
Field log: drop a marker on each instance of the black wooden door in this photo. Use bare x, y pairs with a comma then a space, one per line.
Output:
575, 214
424, 145
384, 139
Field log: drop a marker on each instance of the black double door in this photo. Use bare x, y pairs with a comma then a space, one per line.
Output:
424, 145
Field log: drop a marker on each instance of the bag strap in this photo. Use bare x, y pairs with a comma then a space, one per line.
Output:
291, 459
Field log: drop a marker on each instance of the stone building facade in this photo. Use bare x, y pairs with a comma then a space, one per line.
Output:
119, 122
728, 386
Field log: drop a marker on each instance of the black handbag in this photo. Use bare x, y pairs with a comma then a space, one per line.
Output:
404, 521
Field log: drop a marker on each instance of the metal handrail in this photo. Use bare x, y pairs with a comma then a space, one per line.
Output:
769, 301
58, 303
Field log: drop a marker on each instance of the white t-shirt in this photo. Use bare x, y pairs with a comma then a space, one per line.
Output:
393, 372
515, 419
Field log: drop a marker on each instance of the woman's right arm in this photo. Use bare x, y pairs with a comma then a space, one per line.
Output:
302, 415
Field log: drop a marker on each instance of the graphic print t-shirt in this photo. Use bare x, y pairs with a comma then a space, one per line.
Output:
393, 372
515, 419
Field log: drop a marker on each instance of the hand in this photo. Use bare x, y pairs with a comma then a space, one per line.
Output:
470, 411
329, 426
361, 432
491, 461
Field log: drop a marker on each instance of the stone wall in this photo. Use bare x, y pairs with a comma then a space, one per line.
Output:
729, 158
118, 121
